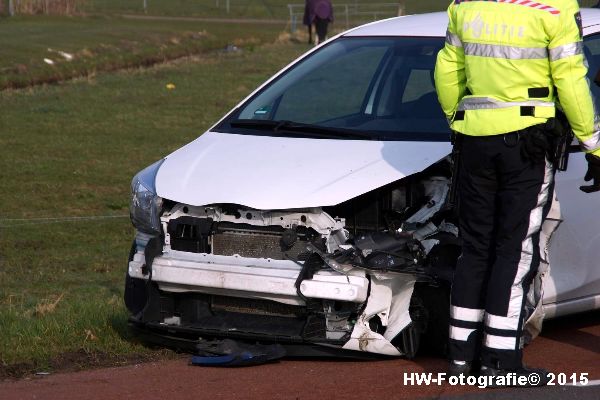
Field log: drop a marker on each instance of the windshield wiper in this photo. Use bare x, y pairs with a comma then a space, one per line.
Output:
297, 127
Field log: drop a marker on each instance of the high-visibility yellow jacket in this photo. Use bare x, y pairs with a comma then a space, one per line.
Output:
507, 62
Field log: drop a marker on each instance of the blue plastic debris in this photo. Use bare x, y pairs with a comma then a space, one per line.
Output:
229, 353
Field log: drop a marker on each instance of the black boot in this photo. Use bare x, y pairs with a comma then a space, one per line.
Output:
458, 368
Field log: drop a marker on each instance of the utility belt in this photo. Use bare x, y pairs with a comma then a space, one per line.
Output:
550, 140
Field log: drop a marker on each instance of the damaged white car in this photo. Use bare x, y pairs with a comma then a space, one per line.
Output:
317, 213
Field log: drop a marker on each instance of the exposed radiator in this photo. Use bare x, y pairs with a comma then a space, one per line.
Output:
202, 235
253, 245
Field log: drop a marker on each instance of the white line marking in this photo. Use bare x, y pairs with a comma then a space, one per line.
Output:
590, 383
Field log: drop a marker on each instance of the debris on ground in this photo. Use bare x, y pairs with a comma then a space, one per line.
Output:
229, 353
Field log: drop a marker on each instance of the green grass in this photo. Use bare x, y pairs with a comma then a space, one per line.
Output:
108, 43
242, 8
71, 150
263, 9
206, 8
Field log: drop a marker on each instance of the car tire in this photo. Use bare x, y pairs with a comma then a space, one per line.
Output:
136, 291
436, 301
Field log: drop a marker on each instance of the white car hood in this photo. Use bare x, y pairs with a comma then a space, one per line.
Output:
271, 173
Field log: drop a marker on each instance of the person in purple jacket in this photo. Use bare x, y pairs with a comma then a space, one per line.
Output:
318, 13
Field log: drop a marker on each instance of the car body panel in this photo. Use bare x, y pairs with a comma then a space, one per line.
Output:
389, 299
434, 25
431, 25
574, 247
274, 173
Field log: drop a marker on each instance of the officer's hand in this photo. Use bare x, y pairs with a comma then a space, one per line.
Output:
593, 173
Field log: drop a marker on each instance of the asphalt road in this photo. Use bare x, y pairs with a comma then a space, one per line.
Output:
567, 346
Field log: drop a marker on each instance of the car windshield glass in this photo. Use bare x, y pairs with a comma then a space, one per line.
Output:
381, 87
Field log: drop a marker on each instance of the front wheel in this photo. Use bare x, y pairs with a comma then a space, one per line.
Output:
136, 291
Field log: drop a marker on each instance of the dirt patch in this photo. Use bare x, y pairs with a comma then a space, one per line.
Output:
14, 371
81, 360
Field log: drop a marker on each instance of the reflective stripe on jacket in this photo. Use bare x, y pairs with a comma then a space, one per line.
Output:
504, 61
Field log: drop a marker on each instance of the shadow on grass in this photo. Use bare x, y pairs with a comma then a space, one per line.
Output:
119, 323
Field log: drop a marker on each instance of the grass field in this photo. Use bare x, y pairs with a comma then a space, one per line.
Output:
71, 150
108, 43
274, 9
51, 49
247, 8
253, 8
237, 8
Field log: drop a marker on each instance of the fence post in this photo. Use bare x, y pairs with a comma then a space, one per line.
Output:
347, 16
227, 6
11, 8
145, 6
401, 8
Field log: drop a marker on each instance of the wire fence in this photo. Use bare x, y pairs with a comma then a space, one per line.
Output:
589, 3
349, 14
33, 7
203, 8
15, 222
200, 8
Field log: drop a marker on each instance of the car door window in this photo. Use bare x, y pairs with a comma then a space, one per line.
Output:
591, 48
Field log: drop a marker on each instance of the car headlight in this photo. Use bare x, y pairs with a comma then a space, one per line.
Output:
145, 206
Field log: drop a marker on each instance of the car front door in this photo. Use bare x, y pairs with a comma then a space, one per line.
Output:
575, 247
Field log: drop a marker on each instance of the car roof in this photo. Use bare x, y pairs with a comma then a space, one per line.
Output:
434, 25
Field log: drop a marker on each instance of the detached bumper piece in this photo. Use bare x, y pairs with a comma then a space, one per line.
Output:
229, 353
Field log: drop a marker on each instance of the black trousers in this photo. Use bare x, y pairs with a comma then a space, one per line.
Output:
503, 199
321, 28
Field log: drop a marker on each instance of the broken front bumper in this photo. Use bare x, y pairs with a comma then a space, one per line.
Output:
200, 281
256, 278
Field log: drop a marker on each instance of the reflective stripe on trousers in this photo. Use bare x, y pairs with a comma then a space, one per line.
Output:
503, 202
511, 322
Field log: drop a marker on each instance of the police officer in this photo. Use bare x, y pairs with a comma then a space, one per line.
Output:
499, 77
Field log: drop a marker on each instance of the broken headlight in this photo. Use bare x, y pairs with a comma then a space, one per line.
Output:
145, 205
